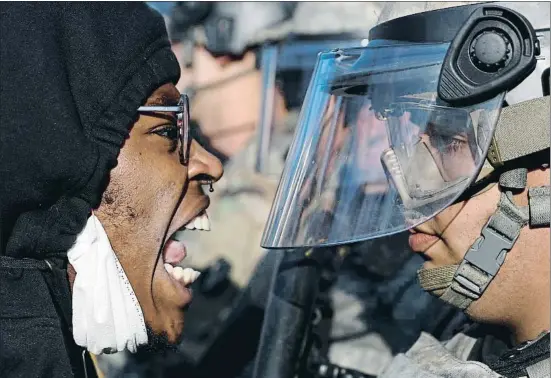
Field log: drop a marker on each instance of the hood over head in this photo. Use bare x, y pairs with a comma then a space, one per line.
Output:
72, 76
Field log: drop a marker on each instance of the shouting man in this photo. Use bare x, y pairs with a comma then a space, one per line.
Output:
98, 171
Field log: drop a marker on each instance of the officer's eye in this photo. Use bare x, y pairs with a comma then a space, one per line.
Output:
451, 146
447, 144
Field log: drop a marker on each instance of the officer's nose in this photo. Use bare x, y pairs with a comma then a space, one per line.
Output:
203, 163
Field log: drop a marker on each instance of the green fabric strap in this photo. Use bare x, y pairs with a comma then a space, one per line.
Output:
522, 129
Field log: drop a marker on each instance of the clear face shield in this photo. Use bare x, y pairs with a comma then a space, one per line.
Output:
286, 69
376, 152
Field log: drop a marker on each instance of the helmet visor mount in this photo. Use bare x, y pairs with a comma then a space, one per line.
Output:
376, 151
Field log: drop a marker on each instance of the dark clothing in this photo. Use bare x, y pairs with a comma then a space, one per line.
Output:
493, 348
35, 334
72, 76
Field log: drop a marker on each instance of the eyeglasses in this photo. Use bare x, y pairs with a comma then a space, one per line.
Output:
182, 122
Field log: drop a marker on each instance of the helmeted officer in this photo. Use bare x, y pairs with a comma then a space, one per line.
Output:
460, 98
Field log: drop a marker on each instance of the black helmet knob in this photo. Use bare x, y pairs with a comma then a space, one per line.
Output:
490, 50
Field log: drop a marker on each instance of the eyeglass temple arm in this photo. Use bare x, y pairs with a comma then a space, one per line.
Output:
175, 108
179, 108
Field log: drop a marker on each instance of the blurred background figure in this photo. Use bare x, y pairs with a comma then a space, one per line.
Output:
221, 62
224, 79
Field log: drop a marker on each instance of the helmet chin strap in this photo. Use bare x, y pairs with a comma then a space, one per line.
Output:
461, 285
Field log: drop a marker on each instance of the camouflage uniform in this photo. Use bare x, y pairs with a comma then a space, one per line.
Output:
374, 320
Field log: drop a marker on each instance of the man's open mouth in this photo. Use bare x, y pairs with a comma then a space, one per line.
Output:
174, 251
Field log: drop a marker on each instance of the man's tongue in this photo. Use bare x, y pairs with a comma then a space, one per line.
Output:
174, 252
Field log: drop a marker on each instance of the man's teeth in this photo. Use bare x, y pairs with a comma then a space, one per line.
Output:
186, 276
169, 268
200, 222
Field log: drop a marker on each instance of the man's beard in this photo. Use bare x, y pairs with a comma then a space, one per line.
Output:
156, 343
150, 360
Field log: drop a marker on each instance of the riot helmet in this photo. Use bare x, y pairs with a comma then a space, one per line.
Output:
441, 104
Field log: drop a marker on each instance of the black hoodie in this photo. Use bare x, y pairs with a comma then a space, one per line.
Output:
72, 76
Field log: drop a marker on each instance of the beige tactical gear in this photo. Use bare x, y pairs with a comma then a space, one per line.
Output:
428, 358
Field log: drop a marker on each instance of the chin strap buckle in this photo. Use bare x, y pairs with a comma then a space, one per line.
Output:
487, 254
489, 251
483, 261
